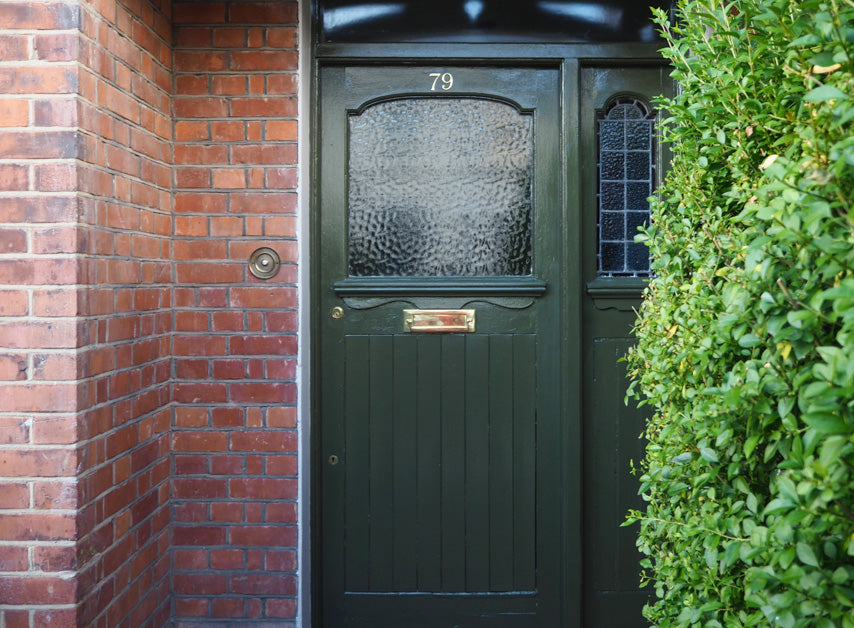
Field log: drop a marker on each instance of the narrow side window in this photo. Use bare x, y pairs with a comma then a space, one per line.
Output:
626, 178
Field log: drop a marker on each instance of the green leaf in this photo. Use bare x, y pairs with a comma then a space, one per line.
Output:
826, 422
806, 555
824, 93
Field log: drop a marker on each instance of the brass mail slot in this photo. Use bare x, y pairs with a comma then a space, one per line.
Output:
439, 321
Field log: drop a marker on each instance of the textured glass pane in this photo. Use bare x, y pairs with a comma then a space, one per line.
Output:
638, 136
626, 171
611, 135
637, 257
612, 196
440, 187
613, 226
637, 166
635, 220
612, 259
612, 165
636, 195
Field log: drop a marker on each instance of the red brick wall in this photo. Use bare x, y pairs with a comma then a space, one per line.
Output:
234, 485
125, 205
147, 397
39, 328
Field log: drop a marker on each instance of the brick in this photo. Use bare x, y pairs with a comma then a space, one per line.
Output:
42, 15
195, 13
208, 273
263, 584
263, 12
198, 488
13, 178
193, 37
14, 495
263, 297
56, 46
189, 131
264, 154
226, 417
13, 558
248, 107
228, 85
200, 61
227, 607
283, 608
198, 535
39, 397
262, 488
276, 130
191, 607
196, 154
262, 392
263, 345
281, 37
14, 47
41, 527
228, 131
55, 112
199, 441
263, 202
49, 79
281, 417
13, 303
282, 84
227, 226
199, 107
227, 559
38, 145
201, 201
281, 512
13, 112
230, 37
229, 178
272, 441
199, 584
55, 558
282, 465
57, 177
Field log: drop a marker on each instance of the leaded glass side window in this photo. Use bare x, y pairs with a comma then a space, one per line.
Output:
440, 187
626, 169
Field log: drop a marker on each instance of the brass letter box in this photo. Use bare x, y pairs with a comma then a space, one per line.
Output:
439, 321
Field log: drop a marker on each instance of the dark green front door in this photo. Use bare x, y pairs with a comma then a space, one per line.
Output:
440, 459
476, 477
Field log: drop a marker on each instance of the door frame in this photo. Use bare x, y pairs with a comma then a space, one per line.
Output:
570, 60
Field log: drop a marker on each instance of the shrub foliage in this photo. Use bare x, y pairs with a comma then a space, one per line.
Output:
746, 335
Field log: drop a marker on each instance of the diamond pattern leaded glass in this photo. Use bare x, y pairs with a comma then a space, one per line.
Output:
626, 179
440, 187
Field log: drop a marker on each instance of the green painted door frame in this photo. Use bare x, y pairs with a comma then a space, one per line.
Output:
585, 567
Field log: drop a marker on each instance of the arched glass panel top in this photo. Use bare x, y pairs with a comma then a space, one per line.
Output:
440, 187
487, 20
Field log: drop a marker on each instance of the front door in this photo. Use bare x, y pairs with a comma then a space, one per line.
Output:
439, 290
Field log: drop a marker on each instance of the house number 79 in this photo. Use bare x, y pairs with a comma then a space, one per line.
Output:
447, 80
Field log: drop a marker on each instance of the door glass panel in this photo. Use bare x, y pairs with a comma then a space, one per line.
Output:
440, 187
626, 180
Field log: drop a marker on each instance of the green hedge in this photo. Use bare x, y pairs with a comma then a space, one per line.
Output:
746, 336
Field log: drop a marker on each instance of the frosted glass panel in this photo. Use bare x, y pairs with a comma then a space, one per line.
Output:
440, 187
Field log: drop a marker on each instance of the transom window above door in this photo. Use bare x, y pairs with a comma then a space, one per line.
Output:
487, 20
